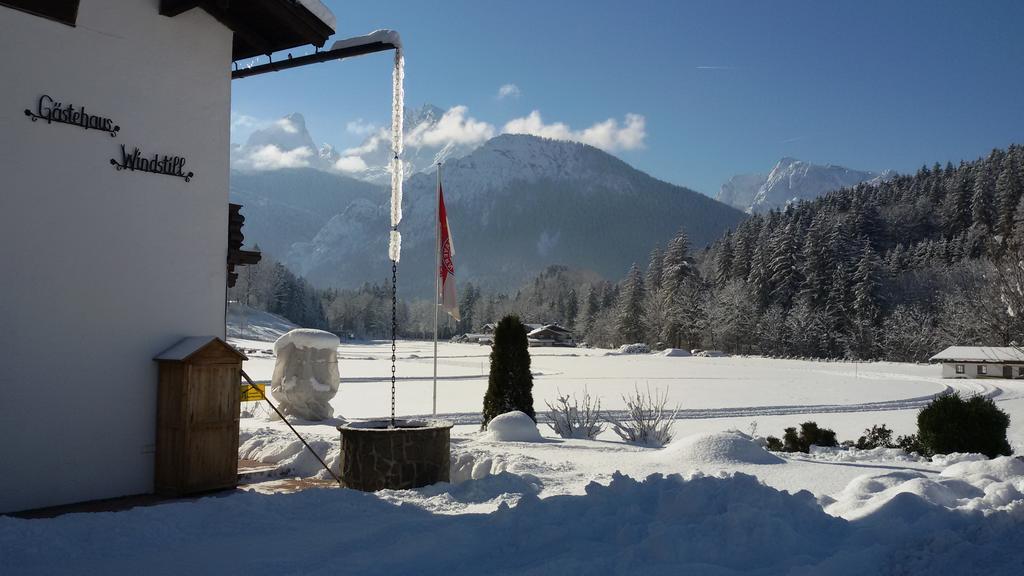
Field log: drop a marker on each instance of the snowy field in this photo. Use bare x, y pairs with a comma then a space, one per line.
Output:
711, 502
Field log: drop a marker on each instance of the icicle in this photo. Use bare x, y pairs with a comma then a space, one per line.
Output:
397, 170
395, 246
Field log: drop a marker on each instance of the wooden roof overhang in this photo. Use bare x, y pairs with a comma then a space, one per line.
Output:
261, 27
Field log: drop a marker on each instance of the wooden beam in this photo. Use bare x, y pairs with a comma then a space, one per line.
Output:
323, 56
173, 8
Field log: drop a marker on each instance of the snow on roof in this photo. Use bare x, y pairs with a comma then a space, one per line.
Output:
307, 338
320, 11
186, 347
383, 36
980, 354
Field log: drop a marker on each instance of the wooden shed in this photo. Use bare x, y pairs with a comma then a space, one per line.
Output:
197, 416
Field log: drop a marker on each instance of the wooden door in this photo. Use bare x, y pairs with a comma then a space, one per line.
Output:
212, 451
1007, 371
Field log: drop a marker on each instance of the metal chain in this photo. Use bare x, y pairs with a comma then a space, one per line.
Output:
394, 333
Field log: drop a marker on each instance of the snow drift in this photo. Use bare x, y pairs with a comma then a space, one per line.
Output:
718, 448
725, 524
513, 426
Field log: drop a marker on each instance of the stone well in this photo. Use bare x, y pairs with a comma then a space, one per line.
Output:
375, 456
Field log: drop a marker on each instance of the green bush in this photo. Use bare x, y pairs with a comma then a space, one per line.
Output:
951, 423
809, 435
510, 383
774, 444
876, 437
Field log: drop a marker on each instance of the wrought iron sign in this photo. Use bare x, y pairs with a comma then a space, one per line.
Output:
156, 164
52, 111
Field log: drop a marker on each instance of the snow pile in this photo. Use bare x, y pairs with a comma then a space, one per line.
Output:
725, 524
306, 373
675, 352
956, 458
986, 486
513, 426
638, 348
283, 449
880, 454
718, 448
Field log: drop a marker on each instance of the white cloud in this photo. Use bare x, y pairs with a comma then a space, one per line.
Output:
454, 127
286, 125
608, 135
270, 157
351, 164
370, 145
360, 127
509, 91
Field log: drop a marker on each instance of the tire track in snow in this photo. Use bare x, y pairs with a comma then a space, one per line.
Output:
917, 402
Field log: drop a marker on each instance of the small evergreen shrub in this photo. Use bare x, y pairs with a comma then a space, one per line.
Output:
910, 444
810, 434
774, 444
876, 437
951, 423
510, 383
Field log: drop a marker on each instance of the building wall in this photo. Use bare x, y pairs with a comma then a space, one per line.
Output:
104, 269
971, 370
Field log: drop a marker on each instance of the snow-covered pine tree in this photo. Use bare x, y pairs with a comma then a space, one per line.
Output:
783, 267
630, 309
1009, 191
723, 260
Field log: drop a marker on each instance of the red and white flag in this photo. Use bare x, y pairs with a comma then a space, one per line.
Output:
446, 295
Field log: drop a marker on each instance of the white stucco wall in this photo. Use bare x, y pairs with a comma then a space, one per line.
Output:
103, 269
971, 370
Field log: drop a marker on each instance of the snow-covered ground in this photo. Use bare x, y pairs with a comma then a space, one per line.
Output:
711, 502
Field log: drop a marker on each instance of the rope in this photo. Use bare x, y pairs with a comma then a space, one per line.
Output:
296, 432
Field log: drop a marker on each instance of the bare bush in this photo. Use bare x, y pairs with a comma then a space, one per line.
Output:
571, 419
648, 420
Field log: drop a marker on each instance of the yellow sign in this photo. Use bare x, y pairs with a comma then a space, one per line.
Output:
250, 394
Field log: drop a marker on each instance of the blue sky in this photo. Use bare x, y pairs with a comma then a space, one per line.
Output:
697, 91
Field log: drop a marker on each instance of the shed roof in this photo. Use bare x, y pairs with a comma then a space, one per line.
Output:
187, 347
980, 354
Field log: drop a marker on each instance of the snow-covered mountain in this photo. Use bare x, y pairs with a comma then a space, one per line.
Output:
287, 143
516, 205
789, 181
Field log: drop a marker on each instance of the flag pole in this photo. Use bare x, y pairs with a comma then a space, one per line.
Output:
437, 275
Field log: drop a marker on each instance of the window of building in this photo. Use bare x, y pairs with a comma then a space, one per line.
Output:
1020, 371
982, 369
65, 11
959, 368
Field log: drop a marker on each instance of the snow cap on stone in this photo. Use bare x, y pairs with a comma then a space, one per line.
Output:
307, 338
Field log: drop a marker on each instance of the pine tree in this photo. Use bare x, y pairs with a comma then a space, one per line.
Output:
982, 204
784, 277
723, 260
676, 263
1009, 191
630, 313
510, 383
652, 281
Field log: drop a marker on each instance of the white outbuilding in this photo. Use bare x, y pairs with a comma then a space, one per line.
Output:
981, 362
115, 123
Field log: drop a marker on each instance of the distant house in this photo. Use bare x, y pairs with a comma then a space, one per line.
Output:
981, 362
549, 335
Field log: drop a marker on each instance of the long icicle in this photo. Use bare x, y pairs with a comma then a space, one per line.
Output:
397, 168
